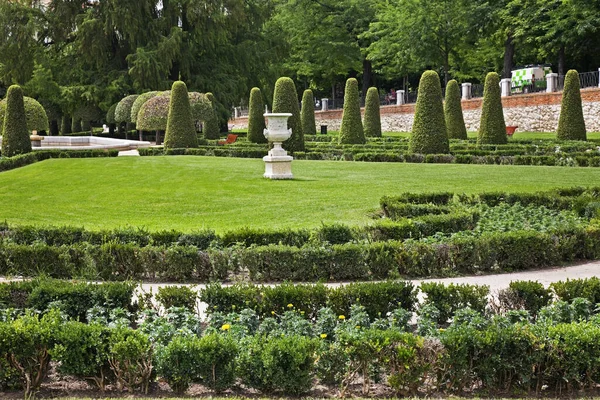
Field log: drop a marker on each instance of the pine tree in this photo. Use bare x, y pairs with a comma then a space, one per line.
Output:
309, 126
372, 122
256, 120
492, 129
15, 138
285, 100
181, 132
571, 125
429, 134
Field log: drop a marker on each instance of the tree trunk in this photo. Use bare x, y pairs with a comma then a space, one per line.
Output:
367, 77
54, 128
561, 61
509, 53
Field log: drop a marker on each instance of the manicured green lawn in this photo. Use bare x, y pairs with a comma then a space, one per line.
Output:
187, 192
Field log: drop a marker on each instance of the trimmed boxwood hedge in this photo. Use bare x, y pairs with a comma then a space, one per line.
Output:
180, 132
372, 121
571, 125
309, 127
429, 134
351, 130
256, 120
492, 128
455, 122
285, 100
15, 139
35, 115
138, 103
123, 109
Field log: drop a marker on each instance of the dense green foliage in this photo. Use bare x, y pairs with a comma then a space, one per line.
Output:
429, 133
65, 125
15, 139
256, 120
123, 110
110, 114
285, 100
180, 132
571, 125
211, 122
492, 128
35, 115
372, 120
351, 130
76, 125
137, 105
153, 114
455, 122
309, 127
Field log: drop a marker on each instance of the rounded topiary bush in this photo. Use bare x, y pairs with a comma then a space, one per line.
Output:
455, 121
429, 134
351, 130
307, 117
180, 132
256, 120
15, 137
123, 110
372, 122
200, 106
65, 125
211, 124
138, 103
285, 100
153, 114
571, 125
35, 115
492, 129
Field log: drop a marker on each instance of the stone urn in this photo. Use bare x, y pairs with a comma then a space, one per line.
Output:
278, 164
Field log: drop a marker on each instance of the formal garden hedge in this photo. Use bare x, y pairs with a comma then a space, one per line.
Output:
295, 340
416, 235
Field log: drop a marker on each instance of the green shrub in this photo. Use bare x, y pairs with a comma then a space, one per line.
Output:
309, 127
285, 100
455, 122
123, 109
130, 358
65, 125
153, 114
492, 128
76, 125
283, 364
571, 125
216, 364
450, 298
180, 132
211, 123
177, 296
429, 133
525, 295
110, 114
570, 289
35, 115
15, 139
256, 120
372, 122
138, 103
177, 362
351, 130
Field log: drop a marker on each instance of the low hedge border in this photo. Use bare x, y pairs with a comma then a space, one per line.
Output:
8, 163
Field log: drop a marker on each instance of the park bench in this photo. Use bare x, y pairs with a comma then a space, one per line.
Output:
230, 139
510, 130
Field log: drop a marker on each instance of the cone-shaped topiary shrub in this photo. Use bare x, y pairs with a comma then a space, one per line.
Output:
256, 120
309, 127
65, 125
351, 131
138, 103
455, 121
123, 110
35, 114
285, 100
211, 124
492, 128
180, 132
372, 122
15, 138
76, 125
571, 125
429, 134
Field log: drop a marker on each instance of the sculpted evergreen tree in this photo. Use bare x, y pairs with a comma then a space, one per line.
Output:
372, 122
211, 125
181, 132
309, 127
285, 100
455, 122
351, 131
256, 120
492, 129
429, 134
15, 138
571, 125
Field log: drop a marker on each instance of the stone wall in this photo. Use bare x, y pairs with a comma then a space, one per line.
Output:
536, 112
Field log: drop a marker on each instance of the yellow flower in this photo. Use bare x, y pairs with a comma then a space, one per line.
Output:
290, 305
233, 306
342, 317
225, 327
323, 335
272, 312
357, 326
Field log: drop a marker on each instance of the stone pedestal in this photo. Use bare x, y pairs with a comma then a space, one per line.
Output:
399, 97
551, 83
505, 87
278, 165
324, 104
466, 90
36, 140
